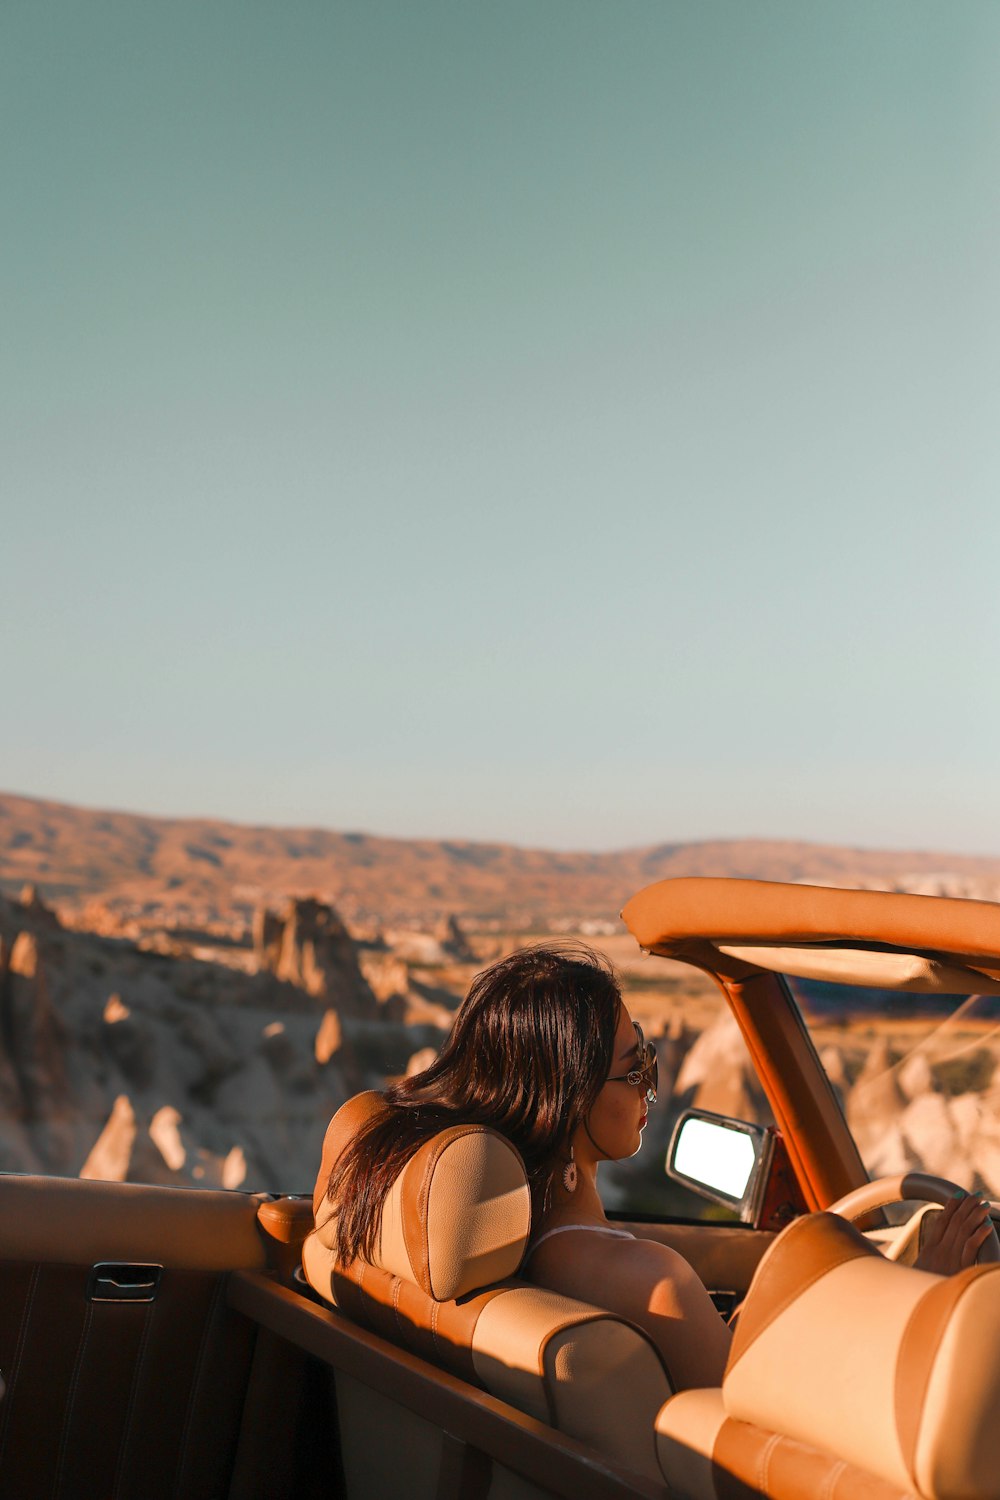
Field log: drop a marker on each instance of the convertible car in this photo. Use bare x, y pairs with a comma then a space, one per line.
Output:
161, 1342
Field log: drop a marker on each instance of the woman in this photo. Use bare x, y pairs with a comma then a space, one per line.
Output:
544, 1050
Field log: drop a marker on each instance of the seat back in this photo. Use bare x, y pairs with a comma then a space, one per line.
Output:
706, 1454
886, 1368
442, 1282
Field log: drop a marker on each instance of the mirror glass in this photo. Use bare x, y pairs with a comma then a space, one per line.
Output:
714, 1154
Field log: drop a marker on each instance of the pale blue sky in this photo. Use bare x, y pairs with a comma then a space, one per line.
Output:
569, 423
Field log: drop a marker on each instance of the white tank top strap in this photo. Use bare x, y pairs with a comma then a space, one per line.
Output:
619, 1234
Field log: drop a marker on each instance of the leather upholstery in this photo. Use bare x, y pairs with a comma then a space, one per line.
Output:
131, 1398
458, 1221
421, 1239
894, 1370
708, 1455
284, 1223
61, 1219
672, 915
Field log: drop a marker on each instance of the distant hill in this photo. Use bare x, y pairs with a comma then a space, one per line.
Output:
76, 855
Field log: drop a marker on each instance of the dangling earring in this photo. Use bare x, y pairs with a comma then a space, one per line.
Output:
569, 1172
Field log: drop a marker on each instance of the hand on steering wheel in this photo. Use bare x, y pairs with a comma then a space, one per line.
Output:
954, 1239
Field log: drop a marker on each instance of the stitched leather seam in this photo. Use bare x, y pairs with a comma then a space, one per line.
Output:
126, 1440
365, 1294
435, 1312
833, 1479
6, 1405
423, 1198
397, 1287
423, 1195
194, 1389
764, 1462
453, 1134
71, 1399
543, 1346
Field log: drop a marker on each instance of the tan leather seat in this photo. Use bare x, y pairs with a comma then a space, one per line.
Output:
443, 1284
849, 1376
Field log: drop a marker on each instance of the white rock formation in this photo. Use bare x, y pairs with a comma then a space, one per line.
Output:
112, 1151
166, 1137
717, 1074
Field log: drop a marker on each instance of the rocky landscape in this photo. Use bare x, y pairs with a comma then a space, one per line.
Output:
188, 1002
132, 1062
916, 1098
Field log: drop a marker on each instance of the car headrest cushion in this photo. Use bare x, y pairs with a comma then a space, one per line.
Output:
459, 1214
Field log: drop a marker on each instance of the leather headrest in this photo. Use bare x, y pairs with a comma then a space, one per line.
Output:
458, 1216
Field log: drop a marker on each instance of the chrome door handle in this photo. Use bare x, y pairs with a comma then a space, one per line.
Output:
123, 1281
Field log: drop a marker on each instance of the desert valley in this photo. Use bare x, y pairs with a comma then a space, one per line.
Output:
188, 1001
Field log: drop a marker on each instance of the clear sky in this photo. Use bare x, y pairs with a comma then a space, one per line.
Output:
551, 421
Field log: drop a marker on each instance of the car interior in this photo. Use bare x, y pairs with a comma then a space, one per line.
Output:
207, 1344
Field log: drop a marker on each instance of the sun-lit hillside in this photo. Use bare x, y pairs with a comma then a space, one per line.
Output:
198, 871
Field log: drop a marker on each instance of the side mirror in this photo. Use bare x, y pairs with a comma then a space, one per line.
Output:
726, 1160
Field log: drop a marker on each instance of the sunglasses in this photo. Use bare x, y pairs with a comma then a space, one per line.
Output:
646, 1075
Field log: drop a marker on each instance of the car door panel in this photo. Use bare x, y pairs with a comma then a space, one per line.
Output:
107, 1394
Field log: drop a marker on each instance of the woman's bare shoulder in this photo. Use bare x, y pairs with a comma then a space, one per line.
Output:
582, 1263
648, 1284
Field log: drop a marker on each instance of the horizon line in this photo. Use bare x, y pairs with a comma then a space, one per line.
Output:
355, 834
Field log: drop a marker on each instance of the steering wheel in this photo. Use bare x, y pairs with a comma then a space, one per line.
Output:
900, 1189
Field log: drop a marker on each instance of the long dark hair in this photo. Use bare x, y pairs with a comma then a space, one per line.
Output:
529, 1052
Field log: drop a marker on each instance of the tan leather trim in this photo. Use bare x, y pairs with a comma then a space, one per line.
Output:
605, 1383
418, 1178
379, 1312
742, 1450
441, 1332
686, 1428
750, 1461
479, 1173
414, 1186
824, 1372
416, 1237
454, 1329
285, 1223
391, 1251
64, 1219
958, 1451
287, 1220
880, 968
495, 1228
808, 1249
551, 1343
412, 1316
706, 1455
918, 1351
343, 1128
822, 1151
348, 1298
509, 1347
666, 914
